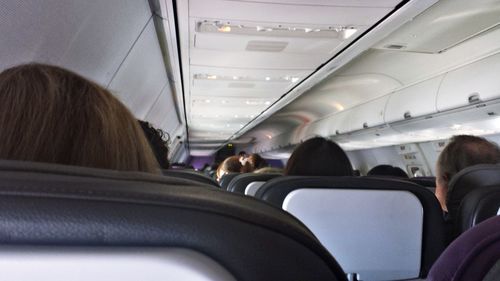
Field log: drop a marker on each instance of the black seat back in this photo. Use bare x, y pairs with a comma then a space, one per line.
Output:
191, 175
240, 182
59, 206
473, 196
366, 211
226, 179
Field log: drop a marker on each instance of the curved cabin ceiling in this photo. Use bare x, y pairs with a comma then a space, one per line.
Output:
240, 57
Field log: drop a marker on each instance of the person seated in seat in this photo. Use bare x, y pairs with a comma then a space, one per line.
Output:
49, 114
461, 152
387, 170
318, 157
252, 163
158, 140
229, 165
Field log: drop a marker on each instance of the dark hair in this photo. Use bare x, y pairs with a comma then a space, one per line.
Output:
253, 162
49, 114
463, 151
158, 140
318, 157
387, 170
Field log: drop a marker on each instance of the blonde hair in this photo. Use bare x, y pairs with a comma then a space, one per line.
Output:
49, 114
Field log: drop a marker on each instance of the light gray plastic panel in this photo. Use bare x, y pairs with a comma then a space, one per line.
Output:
89, 37
108, 264
253, 187
163, 113
477, 80
142, 76
414, 101
376, 234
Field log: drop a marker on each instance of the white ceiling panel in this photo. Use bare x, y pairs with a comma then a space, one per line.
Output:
261, 60
240, 57
349, 3
228, 43
89, 37
271, 12
142, 76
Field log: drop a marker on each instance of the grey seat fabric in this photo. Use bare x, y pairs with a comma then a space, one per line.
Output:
348, 202
473, 196
239, 183
54, 205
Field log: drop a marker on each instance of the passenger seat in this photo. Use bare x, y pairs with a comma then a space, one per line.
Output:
240, 184
55, 220
378, 229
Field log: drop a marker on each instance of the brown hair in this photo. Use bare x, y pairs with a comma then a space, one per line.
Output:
49, 114
229, 165
253, 162
318, 157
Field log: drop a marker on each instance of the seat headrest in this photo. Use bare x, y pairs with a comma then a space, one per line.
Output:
46, 204
240, 182
469, 179
226, 179
276, 190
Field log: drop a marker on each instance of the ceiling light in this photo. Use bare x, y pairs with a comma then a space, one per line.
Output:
212, 77
207, 101
295, 79
315, 31
456, 127
267, 102
348, 32
252, 116
223, 101
227, 125
224, 28
268, 78
236, 116
235, 77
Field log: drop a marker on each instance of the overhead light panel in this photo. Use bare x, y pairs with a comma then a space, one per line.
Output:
278, 30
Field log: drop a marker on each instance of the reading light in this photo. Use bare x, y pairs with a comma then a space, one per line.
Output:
212, 77
348, 32
268, 78
224, 28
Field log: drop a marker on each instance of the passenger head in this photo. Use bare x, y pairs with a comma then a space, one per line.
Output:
387, 170
229, 165
158, 141
49, 114
252, 163
461, 152
318, 157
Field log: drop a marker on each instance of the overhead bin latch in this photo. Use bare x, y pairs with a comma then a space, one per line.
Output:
407, 115
474, 98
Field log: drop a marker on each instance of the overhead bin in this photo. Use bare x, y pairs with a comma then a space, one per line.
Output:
368, 115
471, 84
413, 101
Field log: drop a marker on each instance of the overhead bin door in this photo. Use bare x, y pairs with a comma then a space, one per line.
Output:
414, 101
368, 115
470, 84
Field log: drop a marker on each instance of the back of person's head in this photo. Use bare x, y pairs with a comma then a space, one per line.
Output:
158, 141
318, 157
252, 163
229, 165
387, 170
461, 152
49, 114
